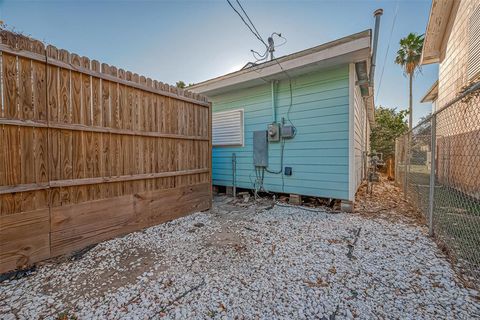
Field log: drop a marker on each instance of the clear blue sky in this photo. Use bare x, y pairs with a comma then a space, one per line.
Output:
198, 40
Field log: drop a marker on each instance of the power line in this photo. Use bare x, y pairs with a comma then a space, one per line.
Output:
388, 48
268, 47
249, 27
258, 33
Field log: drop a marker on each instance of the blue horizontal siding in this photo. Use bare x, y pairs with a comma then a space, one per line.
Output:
318, 154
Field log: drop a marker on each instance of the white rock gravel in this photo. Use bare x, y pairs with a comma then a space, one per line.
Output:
285, 263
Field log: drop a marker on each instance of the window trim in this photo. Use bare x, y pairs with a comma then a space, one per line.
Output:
242, 129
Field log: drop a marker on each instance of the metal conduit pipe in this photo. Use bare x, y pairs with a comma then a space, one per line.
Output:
274, 113
234, 174
377, 14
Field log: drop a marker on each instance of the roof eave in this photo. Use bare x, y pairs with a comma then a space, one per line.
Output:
431, 94
295, 62
438, 21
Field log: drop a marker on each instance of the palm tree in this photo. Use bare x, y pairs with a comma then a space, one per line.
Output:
180, 84
408, 57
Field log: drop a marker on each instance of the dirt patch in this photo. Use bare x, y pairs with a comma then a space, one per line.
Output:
386, 202
225, 237
233, 214
100, 281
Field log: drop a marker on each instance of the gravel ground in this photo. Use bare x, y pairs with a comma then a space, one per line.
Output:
245, 262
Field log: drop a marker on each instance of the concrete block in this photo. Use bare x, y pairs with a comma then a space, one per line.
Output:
295, 199
346, 206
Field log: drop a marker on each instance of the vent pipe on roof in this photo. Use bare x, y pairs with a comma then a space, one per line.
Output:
377, 14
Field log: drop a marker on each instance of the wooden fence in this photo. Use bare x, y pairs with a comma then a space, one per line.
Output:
89, 152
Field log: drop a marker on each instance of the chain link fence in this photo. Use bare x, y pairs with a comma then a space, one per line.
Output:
438, 168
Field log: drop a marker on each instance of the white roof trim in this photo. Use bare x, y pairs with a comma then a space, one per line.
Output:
441, 12
431, 94
344, 50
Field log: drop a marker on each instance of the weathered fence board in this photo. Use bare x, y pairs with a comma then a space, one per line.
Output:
89, 151
24, 237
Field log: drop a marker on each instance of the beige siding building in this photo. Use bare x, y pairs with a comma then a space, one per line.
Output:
361, 135
452, 40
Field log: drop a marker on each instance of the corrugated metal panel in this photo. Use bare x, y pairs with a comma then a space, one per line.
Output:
227, 128
474, 45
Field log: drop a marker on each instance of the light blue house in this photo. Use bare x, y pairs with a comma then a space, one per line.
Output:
298, 124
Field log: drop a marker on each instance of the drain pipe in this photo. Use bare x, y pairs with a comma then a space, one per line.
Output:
274, 113
377, 14
234, 174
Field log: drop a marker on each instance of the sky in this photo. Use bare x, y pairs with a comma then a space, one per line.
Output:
195, 40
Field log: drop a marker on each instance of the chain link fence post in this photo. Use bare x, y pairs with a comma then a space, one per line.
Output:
433, 150
396, 161
405, 177
440, 160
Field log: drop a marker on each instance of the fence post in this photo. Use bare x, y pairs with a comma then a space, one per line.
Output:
396, 162
406, 164
433, 128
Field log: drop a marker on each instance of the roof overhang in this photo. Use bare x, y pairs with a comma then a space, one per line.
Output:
351, 49
362, 69
438, 29
431, 94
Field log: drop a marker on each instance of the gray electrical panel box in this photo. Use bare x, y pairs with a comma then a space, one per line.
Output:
260, 148
287, 132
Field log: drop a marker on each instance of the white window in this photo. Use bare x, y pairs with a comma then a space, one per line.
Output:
227, 128
474, 45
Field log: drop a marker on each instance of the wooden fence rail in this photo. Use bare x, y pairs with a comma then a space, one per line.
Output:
89, 152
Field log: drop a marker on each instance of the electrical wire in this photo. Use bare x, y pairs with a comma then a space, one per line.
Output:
258, 185
388, 48
260, 55
260, 172
249, 27
280, 171
291, 97
282, 148
256, 55
290, 108
263, 56
258, 33
280, 36
300, 207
